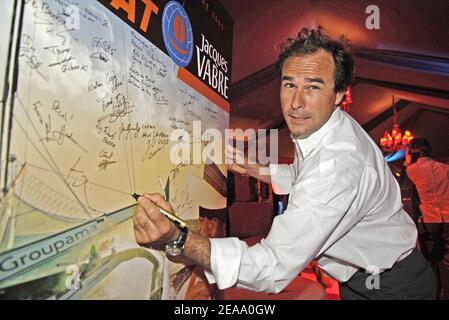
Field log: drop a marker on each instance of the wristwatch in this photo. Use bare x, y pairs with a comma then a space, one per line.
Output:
175, 247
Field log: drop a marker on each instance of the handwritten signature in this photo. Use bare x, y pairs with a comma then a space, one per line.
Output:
34, 64
36, 106
93, 85
57, 108
104, 163
78, 179
157, 141
105, 45
64, 59
113, 81
59, 136
183, 200
128, 130
120, 107
177, 170
100, 56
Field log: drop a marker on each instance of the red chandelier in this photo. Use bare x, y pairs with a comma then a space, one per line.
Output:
347, 101
396, 140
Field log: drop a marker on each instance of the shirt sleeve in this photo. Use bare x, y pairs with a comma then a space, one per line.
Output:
317, 216
282, 178
226, 254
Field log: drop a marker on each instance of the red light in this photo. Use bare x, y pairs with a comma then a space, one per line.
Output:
347, 101
396, 140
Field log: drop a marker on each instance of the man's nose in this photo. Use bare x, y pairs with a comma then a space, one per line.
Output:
297, 100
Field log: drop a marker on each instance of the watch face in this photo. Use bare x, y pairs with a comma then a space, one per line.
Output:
172, 249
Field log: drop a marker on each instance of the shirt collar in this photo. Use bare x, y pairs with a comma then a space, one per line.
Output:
306, 145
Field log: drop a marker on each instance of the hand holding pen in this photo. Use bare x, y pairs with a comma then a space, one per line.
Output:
151, 226
179, 223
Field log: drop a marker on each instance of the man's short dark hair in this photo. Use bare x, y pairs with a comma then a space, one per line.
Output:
310, 41
419, 147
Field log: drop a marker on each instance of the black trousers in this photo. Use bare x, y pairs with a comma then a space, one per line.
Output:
434, 243
409, 279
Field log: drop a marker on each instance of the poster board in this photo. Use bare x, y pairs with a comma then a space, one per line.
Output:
102, 85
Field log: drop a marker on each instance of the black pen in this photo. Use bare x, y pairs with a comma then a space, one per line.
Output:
181, 224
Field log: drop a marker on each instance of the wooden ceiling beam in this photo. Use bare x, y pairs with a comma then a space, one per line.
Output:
395, 58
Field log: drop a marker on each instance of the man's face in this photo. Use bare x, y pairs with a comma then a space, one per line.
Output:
307, 92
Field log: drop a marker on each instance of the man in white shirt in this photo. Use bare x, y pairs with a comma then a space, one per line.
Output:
344, 207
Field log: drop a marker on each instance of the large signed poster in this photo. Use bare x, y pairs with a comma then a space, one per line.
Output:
101, 87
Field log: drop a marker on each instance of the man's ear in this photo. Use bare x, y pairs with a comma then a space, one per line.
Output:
339, 98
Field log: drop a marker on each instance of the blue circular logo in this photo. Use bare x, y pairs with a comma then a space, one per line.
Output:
178, 34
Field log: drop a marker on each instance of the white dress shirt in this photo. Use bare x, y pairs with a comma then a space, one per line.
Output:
431, 179
344, 209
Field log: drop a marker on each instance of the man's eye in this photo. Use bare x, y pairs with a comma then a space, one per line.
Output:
313, 87
289, 85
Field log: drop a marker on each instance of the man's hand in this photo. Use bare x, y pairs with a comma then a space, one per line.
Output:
151, 227
238, 163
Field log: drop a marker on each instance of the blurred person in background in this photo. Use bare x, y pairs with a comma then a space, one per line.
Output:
431, 179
